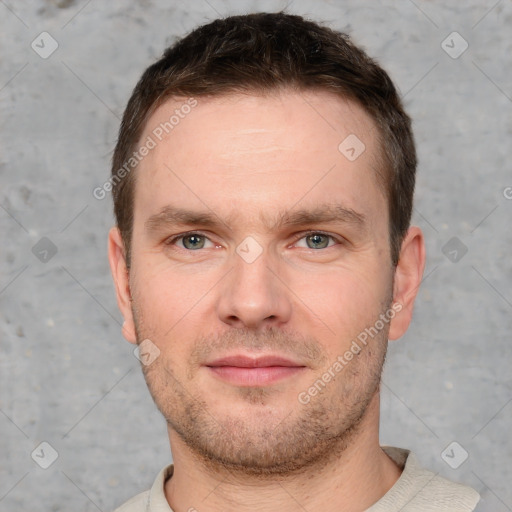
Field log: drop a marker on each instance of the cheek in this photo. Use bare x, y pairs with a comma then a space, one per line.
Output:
170, 301
165, 282
343, 302
333, 302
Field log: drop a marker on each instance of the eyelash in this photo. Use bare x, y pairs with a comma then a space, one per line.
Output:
171, 241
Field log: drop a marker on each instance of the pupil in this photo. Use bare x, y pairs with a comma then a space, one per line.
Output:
316, 239
193, 241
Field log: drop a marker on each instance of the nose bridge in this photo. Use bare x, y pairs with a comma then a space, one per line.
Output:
252, 294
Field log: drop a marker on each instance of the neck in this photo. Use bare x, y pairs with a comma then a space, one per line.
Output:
354, 478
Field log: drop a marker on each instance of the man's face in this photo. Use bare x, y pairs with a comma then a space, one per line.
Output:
255, 283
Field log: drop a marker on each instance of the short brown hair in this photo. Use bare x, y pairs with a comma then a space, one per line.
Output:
262, 52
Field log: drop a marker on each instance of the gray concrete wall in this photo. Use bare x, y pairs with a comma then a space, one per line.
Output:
68, 378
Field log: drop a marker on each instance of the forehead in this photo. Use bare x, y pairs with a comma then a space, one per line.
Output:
258, 155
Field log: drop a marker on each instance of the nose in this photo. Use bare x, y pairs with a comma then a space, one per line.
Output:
254, 294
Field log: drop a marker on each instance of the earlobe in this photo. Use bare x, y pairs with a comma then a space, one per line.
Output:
120, 276
128, 331
408, 276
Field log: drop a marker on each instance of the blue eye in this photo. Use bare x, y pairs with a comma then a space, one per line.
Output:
190, 241
317, 240
194, 241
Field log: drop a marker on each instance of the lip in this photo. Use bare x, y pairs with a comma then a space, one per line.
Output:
242, 370
244, 361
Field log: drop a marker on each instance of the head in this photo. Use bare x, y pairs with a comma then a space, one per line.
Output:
267, 211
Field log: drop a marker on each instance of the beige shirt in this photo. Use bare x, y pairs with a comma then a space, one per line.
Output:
417, 490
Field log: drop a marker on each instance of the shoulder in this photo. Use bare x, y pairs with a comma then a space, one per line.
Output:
138, 503
421, 490
153, 499
441, 492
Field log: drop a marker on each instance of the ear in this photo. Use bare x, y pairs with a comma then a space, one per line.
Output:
120, 275
408, 276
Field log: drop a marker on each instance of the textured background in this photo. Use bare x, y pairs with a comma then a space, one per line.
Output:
68, 378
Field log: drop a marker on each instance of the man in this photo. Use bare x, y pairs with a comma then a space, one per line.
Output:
263, 183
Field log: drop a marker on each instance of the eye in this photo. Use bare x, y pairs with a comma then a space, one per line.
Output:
318, 240
193, 241
190, 241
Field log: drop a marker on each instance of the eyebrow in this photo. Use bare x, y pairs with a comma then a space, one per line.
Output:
323, 214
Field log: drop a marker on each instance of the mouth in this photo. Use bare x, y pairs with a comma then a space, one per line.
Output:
242, 370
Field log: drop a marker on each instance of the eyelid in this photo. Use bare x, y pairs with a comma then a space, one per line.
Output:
172, 239
340, 240
337, 238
